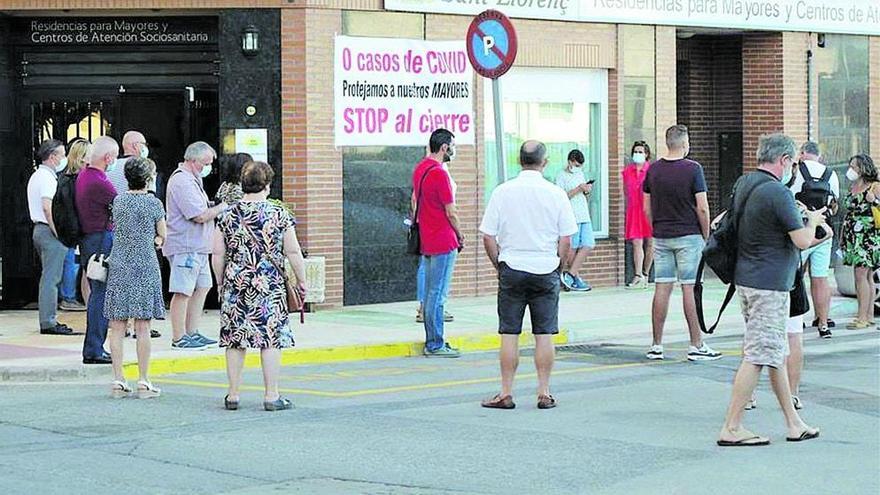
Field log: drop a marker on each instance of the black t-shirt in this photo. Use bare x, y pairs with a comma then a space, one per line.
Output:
672, 186
767, 258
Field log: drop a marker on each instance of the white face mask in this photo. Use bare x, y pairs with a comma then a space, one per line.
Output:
145, 152
450, 153
852, 175
62, 164
639, 158
206, 171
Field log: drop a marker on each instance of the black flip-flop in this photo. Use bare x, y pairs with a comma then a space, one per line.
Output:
744, 442
805, 435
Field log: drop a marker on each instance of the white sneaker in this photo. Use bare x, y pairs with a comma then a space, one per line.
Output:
703, 353
655, 353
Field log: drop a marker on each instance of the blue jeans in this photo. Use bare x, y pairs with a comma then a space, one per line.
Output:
96, 323
420, 282
438, 275
67, 287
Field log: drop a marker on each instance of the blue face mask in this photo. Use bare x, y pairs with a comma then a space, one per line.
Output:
111, 166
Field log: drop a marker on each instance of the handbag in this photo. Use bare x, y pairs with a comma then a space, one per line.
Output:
97, 267
413, 238
799, 302
294, 300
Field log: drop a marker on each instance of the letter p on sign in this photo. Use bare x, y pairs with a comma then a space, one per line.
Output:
488, 43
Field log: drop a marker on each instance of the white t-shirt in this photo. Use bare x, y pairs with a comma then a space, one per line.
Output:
816, 170
570, 180
527, 215
42, 184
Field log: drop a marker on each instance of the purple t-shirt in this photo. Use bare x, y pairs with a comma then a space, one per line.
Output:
185, 199
94, 195
672, 186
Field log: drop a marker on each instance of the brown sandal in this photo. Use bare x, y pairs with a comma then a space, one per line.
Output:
546, 402
499, 402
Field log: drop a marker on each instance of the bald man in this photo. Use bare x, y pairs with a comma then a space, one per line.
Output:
133, 144
94, 195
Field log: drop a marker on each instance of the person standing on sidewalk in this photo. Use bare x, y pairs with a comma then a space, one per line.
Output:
637, 226
40, 190
134, 144
441, 238
770, 234
420, 274
817, 186
76, 158
571, 179
676, 203
94, 196
526, 233
134, 286
190, 221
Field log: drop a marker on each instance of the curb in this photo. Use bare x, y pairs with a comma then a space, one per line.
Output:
327, 355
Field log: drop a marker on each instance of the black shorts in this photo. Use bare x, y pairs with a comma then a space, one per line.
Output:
540, 293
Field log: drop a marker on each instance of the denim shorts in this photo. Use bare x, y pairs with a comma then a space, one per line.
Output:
583, 237
518, 289
189, 271
677, 258
819, 257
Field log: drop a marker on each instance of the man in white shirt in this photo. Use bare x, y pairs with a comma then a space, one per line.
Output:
817, 257
133, 144
40, 191
527, 229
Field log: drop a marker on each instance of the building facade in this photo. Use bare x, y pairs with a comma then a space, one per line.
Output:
596, 76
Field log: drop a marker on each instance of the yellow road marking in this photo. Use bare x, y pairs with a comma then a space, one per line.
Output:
409, 388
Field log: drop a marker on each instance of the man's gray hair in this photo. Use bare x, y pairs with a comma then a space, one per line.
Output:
675, 136
810, 148
773, 146
197, 150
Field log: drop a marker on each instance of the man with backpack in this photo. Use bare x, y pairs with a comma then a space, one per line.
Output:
771, 230
817, 186
40, 192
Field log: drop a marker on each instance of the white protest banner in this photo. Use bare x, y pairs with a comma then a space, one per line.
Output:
396, 92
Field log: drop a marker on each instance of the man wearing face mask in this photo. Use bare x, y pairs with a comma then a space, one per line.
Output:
133, 144
190, 219
40, 191
94, 195
440, 235
771, 232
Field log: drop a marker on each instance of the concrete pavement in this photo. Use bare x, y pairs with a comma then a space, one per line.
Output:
414, 427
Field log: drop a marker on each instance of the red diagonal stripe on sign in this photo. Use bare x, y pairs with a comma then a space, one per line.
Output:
479, 32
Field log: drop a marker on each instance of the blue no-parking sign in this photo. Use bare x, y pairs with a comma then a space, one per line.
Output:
491, 44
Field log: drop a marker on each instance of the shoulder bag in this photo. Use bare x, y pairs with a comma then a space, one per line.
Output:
295, 301
413, 238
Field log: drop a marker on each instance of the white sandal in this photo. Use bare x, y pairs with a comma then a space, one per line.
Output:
635, 283
119, 389
147, 390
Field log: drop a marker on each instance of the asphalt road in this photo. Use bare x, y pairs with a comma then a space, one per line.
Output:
414, 426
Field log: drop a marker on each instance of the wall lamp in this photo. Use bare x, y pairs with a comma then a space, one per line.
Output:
250, 41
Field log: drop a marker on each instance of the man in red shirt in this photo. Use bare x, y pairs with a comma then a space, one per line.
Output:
440, 236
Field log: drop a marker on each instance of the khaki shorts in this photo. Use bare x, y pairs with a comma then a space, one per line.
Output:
765, 312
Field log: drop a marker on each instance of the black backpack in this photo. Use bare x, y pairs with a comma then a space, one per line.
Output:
64, 211
720, 253
815, 193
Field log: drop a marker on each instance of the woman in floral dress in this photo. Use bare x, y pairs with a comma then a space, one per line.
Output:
251, 241
860, 239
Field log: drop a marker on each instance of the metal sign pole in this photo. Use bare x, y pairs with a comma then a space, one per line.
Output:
499, 131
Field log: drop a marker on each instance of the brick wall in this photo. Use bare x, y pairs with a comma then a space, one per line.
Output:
795, 104
763, 108
874, 97
666, 90
710, 100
